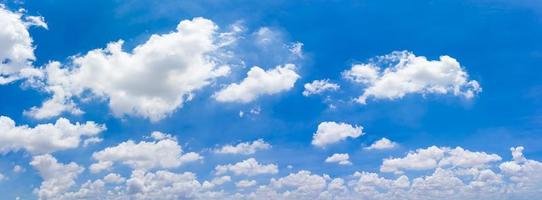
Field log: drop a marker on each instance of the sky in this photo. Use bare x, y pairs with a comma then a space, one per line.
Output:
213, 99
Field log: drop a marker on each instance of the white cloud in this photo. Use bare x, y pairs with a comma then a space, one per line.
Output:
383, 143
2, 177
319, 86
249, 167
245, 183
16, 49
332, 132
151, 81
45, 138
245, 148
259, 82
340, 158
165, 153
400, 73
57, 177
301, 185
516, 179
216, 182
433, 157
114, 178
162, 185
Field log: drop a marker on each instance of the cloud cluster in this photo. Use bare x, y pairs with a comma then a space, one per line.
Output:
516, 179
401, 73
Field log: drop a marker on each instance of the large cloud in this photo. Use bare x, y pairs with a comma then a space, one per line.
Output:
400, 73
45, 138
164, 153
16, 49
151, 81
259, 82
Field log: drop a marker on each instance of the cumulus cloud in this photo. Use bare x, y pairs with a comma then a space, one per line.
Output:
516, 179
400, 73
151, 81
57, 177
248, 167
383, 143
259, 82
339, 158
16, 48
319, 86
45, 138
333, 132
165, 153
245, 148
433, 157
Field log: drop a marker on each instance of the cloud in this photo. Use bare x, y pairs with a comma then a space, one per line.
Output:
248, 167
333, 132
165, 153
151, 81
319, 86
245, 148
433, 157
259, 82
300, 185
245, 183
57, 177
400, 73
517, 179
216, 182
383, 143
340, 158
45, 138
16, 49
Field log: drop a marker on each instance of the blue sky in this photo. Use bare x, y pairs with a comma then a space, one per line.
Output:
464, 74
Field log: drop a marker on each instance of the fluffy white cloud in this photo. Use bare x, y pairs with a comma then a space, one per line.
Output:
400, 73
340, 158
151, 81
319, 86
165, 153
433, 157
248, 167
45, 138
245, 148
57, 177
383, 143
333, 132
16, 49
259, 82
